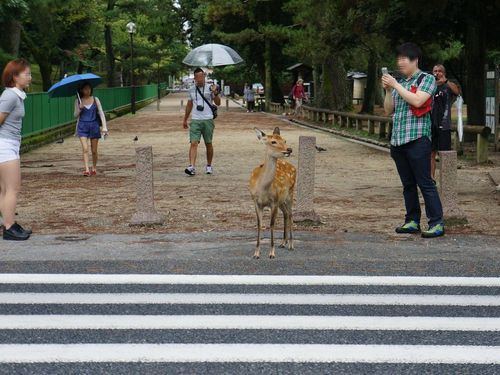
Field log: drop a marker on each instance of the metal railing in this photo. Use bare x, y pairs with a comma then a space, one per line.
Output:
43, 113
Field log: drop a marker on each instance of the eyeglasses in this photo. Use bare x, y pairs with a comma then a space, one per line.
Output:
26, 75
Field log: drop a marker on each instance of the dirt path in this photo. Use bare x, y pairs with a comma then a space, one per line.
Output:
357, 187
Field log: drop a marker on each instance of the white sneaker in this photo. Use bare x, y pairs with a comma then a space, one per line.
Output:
190, 171
209, 169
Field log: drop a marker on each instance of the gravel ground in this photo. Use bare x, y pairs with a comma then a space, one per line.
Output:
357, 188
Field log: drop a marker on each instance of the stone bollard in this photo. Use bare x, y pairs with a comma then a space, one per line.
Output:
227, 104
452, 213
305, 185
145, 213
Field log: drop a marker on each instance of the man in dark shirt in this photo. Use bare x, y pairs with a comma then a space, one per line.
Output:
444, 97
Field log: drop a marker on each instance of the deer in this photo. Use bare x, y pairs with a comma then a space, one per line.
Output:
272, 185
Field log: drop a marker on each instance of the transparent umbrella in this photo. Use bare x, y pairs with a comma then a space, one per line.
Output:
209, 55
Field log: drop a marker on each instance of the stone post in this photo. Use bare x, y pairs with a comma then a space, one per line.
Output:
305, 185
145, 213
182, 105
452, 213
227, 104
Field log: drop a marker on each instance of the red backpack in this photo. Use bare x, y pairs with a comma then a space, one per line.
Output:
427, 106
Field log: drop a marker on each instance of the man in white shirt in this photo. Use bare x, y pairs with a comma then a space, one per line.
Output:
200, 103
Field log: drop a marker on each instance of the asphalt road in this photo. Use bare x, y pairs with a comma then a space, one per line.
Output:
231, 253
61, 323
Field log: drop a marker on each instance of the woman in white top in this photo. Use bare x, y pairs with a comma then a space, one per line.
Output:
16, 77
91, 117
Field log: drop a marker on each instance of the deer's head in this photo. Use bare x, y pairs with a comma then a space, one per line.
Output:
275, 144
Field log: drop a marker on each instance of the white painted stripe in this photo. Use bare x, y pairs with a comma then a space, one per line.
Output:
250, 299
48, 353
292, 322
33, 278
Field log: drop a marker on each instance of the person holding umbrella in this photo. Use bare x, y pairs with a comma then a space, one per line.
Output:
16, 78
201, 98
88, 111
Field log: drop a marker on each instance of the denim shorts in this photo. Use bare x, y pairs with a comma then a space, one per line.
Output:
88, 129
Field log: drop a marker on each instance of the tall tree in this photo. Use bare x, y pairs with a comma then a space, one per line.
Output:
64, 25
324, 39
254, 28
12, 13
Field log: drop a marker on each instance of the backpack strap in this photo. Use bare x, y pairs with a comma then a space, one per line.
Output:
421, 78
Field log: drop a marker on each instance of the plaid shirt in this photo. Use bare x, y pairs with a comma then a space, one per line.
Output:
406, 126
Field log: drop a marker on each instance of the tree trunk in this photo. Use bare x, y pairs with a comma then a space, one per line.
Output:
316, 83
371, 84
268, 72
110, 56
46, 72
11, 37
108, 42
475, 59
334, 88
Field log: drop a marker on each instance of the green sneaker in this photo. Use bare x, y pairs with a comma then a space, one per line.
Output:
409, 227
434, 231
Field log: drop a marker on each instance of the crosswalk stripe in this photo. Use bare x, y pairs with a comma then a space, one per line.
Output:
33, 278
246, 299
306, 353
109, 325
282, 322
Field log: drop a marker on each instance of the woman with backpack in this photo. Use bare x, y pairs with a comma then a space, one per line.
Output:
91, 118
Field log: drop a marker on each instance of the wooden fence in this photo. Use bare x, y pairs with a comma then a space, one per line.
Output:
380, 125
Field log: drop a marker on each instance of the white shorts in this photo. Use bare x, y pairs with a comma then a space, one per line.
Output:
9, 149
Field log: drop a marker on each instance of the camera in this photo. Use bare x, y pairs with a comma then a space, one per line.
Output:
200, 107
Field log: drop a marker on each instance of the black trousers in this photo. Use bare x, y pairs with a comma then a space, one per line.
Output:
413, 162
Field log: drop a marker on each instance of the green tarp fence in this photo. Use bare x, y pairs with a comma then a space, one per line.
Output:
44, 114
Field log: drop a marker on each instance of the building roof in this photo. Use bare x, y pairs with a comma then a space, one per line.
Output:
298, 65
356, 75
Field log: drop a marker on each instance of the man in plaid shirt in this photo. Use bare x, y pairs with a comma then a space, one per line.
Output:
408, 102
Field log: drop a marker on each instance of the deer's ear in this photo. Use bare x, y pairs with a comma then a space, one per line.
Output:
276, 131
260, 133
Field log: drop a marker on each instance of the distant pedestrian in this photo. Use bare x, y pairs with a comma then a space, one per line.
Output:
444, 97
410, 100
249, 96
299, 95
16, 78
91, 118
202, 97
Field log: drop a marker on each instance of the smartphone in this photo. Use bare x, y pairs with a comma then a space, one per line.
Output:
385, 70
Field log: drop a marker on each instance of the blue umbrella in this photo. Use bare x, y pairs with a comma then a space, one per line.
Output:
69, 86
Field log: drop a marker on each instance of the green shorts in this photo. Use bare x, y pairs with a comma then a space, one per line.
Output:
197, 128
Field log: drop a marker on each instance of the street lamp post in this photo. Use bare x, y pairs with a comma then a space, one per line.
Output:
131, 29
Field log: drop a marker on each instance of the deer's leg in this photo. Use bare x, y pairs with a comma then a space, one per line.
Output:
284, 242
259, 212
290, 226
274, 213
